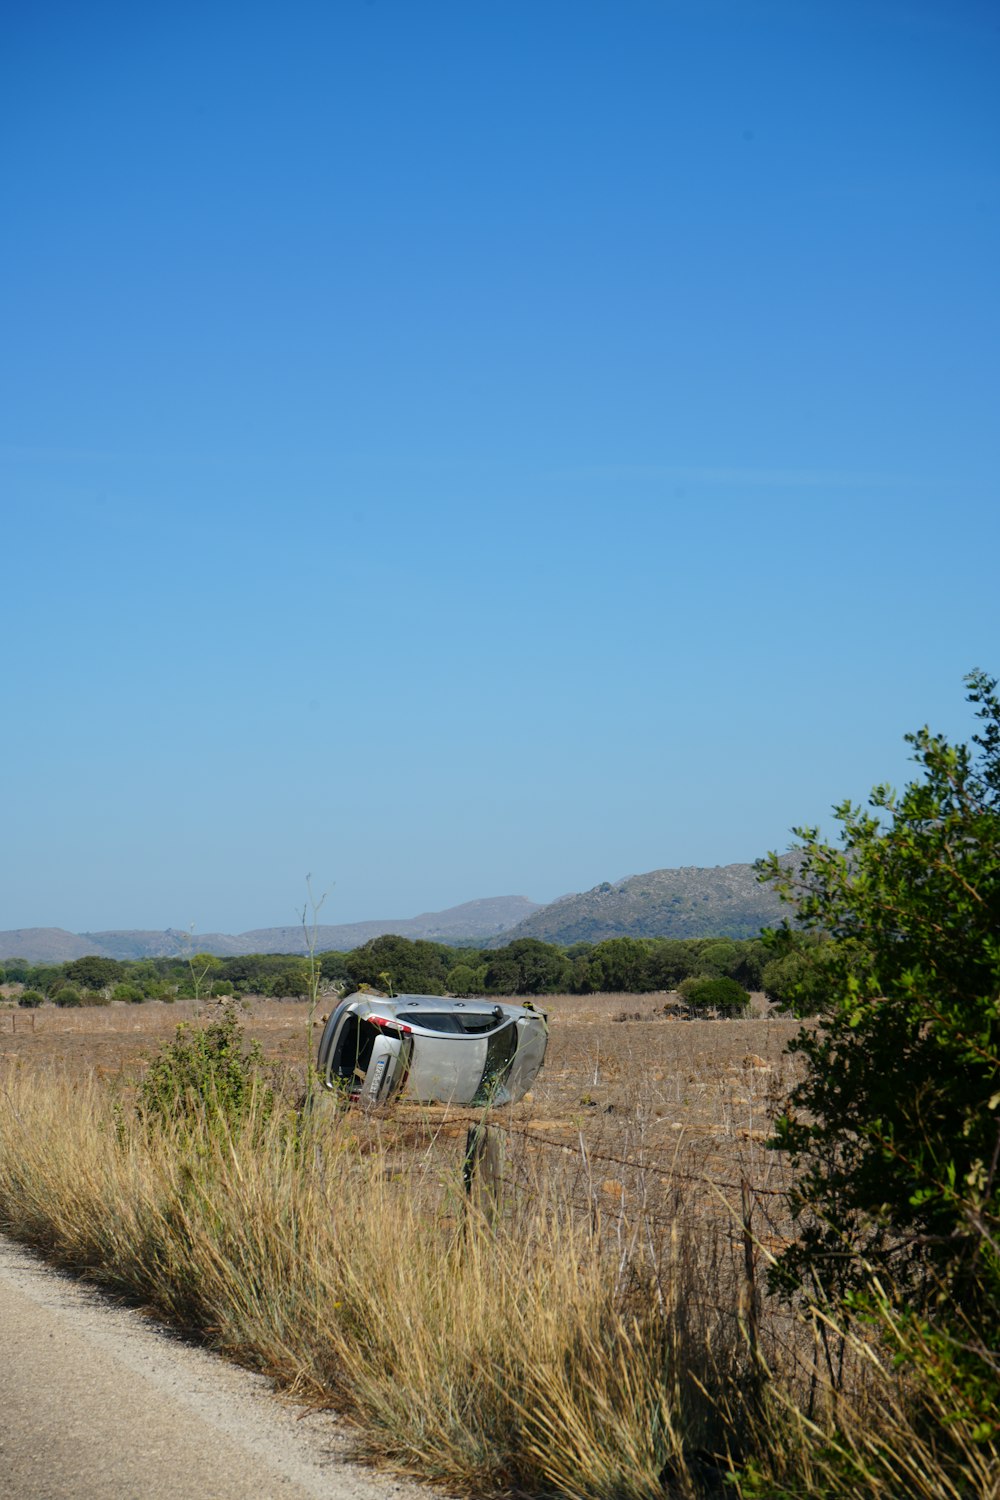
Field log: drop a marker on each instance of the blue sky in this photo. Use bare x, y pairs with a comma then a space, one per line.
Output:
471, 448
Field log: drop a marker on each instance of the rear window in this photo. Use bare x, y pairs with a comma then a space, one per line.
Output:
454, 1023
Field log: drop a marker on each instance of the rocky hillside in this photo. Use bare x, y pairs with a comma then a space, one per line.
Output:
724, 901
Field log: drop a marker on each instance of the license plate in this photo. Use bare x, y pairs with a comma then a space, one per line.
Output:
376, 1083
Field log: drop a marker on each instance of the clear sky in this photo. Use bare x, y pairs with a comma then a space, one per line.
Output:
474, 447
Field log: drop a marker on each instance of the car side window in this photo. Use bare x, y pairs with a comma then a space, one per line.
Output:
454, 1023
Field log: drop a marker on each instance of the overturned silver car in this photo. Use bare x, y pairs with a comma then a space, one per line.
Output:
431, 1050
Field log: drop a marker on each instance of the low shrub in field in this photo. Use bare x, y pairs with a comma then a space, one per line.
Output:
206, 1072
723, 995
30, 999
69, 995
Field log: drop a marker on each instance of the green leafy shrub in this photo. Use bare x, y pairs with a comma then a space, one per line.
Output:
805, 969
129, 994
894, 1129
292, 983
68, 995
30, 999
207, 1071
94, 997
160, 989
724, 995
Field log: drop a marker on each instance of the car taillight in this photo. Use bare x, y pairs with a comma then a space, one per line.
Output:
395, 1025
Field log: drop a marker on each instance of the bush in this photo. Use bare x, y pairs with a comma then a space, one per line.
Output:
206, 1072
161, 989
893, 1128
724, 995
68, 995
806, 970
129, 994
30, 999
94, 997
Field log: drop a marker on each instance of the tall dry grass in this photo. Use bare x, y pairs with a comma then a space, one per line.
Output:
492, 1356
531, 1350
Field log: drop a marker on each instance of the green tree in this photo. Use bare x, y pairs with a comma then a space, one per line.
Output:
751, 956
46, 977
670, 961
262, 974
201, 966
334, 968
93, 972
463, 979
719, 959
415, 968
527, 967
294, 980
805, 969
620, 964
30, 999
895, 1127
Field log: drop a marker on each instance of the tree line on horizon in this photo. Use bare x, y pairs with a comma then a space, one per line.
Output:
526, 966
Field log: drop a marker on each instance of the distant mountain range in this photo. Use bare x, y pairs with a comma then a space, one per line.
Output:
472, 922
725, 901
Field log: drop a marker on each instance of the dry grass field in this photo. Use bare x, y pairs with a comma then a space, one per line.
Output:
621, 1079
591, 1322
643, 1123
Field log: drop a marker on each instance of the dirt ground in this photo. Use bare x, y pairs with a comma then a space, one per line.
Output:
625, 1089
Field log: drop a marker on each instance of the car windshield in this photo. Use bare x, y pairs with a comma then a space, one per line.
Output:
455, 1023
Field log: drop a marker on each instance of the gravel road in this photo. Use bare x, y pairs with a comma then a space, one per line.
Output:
98, 1402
